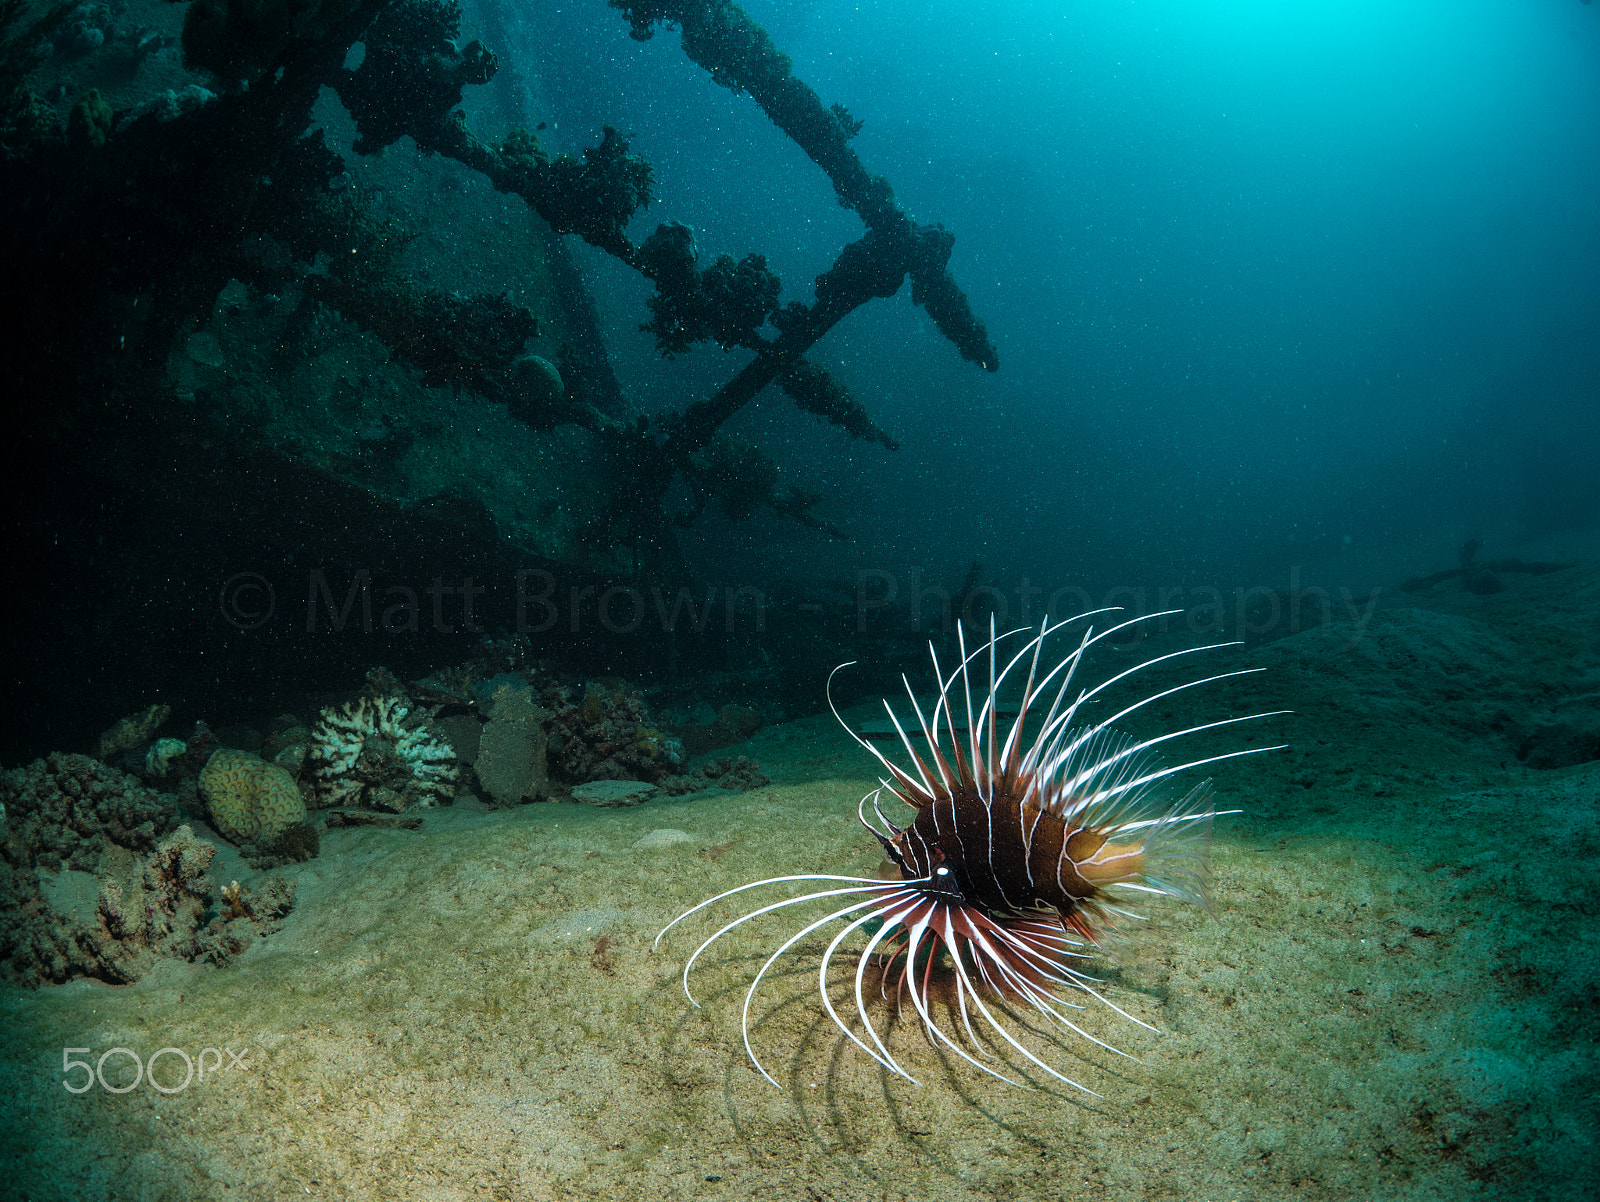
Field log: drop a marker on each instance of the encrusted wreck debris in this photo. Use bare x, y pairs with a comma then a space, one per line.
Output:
156, 209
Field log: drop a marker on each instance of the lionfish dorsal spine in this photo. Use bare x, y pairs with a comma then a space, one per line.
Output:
1012, 754
930, 735
960, 761
975, 756
925, 786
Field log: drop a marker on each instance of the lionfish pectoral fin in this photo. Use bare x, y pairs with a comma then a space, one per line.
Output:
1114, 864
1176, 851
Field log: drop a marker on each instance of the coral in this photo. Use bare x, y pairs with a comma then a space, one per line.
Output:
170, 105
372, 752
128, 733
456, 342
235, 902
411, 78
113, 928
510, 760
740, 475
459, 335
520, 151
740, 55
728, 302
595, 198
815, 391
25, 120
85, 31
739, 297
610, 736
668, 256
67, 810
175, 210
848, 126
94, 879
158, 910
158, 760
89, 122
249, 800
244, 915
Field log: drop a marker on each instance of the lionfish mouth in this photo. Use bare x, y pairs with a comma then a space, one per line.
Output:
1017, 862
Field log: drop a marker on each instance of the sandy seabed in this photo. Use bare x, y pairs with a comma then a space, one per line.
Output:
1396, 998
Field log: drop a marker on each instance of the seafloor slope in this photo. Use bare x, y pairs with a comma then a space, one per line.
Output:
1396, 998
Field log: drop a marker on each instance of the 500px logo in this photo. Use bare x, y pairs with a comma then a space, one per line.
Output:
146, 1071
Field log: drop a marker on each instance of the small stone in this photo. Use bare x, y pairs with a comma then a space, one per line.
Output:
666, 837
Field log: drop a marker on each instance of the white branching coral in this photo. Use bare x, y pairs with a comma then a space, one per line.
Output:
366, 753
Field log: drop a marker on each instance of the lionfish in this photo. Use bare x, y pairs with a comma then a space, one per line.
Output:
1020, 858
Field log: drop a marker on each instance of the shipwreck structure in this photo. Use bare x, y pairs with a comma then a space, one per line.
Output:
182, 257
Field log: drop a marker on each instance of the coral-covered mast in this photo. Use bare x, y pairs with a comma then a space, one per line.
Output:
738, 53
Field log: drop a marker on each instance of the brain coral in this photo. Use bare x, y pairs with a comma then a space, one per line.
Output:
249, 799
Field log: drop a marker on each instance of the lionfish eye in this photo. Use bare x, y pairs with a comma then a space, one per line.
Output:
941, 871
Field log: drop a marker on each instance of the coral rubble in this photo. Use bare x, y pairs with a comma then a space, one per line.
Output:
157, 911
245, 914
724, 772
613, 792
